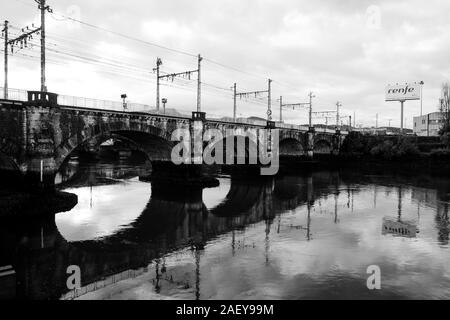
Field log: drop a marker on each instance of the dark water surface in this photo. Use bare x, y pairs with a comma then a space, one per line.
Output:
309, 236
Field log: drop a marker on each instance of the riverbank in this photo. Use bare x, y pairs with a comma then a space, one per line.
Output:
420, 163
436, 163
17, 204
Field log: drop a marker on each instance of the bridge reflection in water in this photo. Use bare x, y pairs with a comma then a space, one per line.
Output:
166, 242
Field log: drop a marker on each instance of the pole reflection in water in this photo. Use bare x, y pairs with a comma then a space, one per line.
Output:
133, 240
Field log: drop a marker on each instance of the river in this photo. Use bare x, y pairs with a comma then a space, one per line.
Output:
307, 236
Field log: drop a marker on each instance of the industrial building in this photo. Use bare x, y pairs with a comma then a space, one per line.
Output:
428, 125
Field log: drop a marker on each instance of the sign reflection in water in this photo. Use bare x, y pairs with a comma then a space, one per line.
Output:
292, 237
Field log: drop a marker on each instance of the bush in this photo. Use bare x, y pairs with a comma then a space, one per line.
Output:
445, 138
407, 149
389, 150
354, 143
385, 150
440, 154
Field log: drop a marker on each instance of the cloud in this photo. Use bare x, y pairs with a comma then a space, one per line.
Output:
346, 51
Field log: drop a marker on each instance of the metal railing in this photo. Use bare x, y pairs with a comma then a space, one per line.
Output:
81, 102
14, 94
215, 117
89, 103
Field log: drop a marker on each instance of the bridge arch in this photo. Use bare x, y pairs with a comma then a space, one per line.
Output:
8, 163
323, 147
291, 147
323, 143
153, 141
240, 152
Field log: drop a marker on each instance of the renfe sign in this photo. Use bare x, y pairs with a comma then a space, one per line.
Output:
402, 92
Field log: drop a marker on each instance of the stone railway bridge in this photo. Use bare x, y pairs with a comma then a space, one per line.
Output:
38, 135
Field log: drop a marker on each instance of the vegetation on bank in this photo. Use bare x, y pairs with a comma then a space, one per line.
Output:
16, 204
357, 145
444, 108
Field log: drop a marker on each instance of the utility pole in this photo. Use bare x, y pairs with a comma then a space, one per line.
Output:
5, 87
324, 115
158, 64
311, 96
256, 93
269, 102
234, 102
199, 84
338, 105
376, 124
401, 116
22, 40
421, 97
281, 108
290, 105
43, 7
186, 74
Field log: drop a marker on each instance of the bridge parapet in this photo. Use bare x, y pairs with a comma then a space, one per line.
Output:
43, 98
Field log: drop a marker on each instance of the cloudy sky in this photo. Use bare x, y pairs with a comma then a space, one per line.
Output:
341, 50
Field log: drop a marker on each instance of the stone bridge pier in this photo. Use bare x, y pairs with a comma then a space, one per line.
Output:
38, 135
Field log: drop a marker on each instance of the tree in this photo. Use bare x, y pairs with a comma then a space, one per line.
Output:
444, 108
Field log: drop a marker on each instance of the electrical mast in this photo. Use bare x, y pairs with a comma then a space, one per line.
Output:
158, 65
311, 96
291, 105
5, 87
22, 41
338, 106
185, 74
44, 8
256, 93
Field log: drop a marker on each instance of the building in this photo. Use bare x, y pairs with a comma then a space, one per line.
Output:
428, 125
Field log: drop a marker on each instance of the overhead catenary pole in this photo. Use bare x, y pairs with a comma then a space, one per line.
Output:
199, 84
188, 74
269, 101
290, 105
256, 93
22, 39
157, 69
311, 96
338, 105
421, 97
281, 108
5, 87
234, 102
402, 112
43, 79
43, 7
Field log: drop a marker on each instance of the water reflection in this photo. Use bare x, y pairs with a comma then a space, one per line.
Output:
292, 237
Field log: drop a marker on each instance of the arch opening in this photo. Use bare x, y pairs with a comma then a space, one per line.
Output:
322, 147
291, 147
